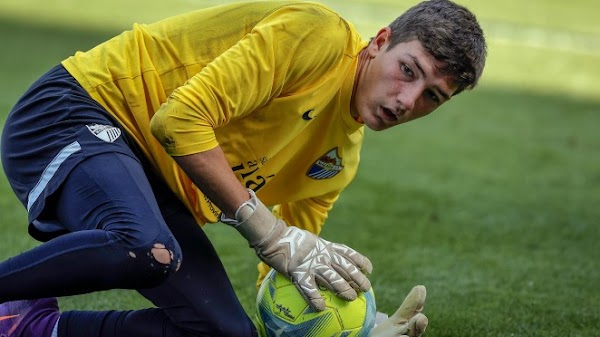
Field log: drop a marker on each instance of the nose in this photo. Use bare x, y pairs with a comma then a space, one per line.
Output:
407, 97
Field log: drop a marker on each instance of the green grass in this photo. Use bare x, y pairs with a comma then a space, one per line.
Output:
496, 213
491, 202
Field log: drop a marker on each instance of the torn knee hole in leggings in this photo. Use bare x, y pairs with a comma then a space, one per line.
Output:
160, 254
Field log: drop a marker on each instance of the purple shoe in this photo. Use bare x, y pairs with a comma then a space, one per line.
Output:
28, 318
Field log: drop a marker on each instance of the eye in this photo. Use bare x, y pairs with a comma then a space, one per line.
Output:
432, 96
407, 71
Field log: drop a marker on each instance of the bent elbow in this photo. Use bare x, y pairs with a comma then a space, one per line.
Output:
160, 130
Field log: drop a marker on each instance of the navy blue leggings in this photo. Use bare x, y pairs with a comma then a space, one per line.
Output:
112, 191
108, 223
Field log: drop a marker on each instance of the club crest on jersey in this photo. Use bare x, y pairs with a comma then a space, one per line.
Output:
107, 133
327, 166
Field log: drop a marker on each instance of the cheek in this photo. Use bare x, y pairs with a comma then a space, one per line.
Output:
393, 85
384, 88
383, 79
423, 108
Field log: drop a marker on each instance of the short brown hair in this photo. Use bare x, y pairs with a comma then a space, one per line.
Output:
450, 33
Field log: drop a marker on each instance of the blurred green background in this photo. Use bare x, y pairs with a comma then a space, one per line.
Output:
492, 202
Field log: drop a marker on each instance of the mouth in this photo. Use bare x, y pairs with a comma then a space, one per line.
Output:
390, 113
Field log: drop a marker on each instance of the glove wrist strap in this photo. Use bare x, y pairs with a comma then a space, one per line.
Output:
243, 212
254, 221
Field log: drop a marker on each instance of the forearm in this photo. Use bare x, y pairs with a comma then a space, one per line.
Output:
211, 173
300, 255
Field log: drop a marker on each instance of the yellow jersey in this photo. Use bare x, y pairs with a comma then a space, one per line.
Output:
270, 82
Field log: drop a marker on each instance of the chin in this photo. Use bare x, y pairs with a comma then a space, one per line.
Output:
377, 126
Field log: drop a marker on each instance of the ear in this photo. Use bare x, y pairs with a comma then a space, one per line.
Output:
380, 41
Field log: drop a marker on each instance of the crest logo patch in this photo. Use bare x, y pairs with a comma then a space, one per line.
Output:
327, 166
107, 133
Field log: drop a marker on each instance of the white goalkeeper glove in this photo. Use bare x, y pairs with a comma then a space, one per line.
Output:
407, 321
305, 258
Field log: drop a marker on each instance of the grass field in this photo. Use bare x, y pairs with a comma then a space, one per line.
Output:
492, 202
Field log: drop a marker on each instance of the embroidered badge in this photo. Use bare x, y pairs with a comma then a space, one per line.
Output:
327, 166
107, 133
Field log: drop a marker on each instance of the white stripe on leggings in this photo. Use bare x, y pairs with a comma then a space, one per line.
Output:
50, 171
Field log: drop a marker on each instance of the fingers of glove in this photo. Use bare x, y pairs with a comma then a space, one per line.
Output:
357, 280
351, 265
330, 279
417, 325
356, 258
308, 289
412, 304
390, 328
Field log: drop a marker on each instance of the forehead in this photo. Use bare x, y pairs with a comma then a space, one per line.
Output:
414, 49
413, 52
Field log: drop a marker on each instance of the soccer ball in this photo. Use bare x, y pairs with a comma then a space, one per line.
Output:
283, 312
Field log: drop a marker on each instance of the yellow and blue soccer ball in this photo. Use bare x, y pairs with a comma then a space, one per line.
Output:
281, 311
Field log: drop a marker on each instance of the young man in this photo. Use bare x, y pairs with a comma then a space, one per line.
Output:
121, 152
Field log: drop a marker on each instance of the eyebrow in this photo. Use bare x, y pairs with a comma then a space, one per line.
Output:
440, 91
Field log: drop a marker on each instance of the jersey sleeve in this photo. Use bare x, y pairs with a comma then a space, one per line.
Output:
290, 48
